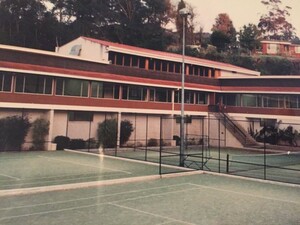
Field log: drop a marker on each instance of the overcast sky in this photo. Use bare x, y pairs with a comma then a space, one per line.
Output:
241, 12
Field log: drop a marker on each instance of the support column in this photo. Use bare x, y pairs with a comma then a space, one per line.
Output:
50, 135
119, 130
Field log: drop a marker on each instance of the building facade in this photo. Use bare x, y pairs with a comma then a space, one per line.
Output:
87, 81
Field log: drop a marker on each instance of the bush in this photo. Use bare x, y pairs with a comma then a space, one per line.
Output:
77, 144
91, 143
13, 131
126, 130
107, 132
152, 142
40, 129
62, 142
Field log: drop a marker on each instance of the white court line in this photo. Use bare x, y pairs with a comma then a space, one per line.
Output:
93, 205
130, 160
34, 190
96, 196
151, 214
81, 164
5, 175
244, 194
50, 181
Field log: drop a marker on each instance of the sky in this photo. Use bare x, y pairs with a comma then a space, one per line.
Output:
241, 12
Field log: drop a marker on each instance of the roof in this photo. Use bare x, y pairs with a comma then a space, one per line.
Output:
171, 56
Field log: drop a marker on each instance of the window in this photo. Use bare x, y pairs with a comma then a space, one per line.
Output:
134, 93
189, 97
72, 87
28, 83
249, 100
201, 98
270, 101
292, 101
160, 95
81, 116
5, 81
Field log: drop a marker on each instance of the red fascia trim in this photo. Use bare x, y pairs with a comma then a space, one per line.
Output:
98, 75
260, 89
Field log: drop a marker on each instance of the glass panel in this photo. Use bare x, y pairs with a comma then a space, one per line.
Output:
152, 93
72, 87
249, 100
201, 98
127, 60
48, 85
59, 86
125, 92
19, 83
116, 91
94, 87
5, 82
151, 64
135, 61
85, 89
161, 95
34, 84
142, 62
108, 90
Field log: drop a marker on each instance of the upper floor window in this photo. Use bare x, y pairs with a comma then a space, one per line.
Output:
29, 83
5, 81
105, 90
160, 95
132, 92
72, 87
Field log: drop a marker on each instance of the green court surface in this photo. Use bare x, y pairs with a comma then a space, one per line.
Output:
65, 188
188, 199
35, 169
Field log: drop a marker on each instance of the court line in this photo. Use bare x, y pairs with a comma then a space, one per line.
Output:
151, 214
5, 175
96, 196
93, 205
33, 190
130, 160
81, 164
49, 181
242, 193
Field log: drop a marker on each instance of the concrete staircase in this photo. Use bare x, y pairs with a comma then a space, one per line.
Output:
237, 131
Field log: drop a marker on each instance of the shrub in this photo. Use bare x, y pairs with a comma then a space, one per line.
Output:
107, 132
40, 129
13, 131
152, 142
91, 143
62, 142
126, 130
77, 144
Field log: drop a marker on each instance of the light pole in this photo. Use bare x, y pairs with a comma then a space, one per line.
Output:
183, 13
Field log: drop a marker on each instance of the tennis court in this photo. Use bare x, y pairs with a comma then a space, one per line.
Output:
74, 188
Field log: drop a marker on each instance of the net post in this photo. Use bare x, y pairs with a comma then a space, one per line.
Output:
227, 163
160, 145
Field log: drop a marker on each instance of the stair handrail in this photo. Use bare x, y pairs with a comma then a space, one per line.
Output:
234, 125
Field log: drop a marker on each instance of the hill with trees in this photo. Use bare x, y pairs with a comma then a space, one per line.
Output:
50, 23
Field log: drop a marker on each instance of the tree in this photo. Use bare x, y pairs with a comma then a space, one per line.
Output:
249, 37
224, 24
220, 40
274, 25
20, 22
190, 23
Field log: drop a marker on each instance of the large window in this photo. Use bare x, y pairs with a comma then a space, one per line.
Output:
160, 95
72, 87
105, 90
132, 92
28, 83
5, 81
192, 97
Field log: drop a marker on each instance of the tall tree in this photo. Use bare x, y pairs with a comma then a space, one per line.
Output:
249, 37
223, 32
274, 25
21, 21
